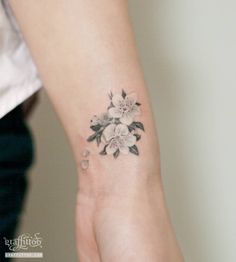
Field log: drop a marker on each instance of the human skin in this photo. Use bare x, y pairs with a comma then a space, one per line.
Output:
85, 49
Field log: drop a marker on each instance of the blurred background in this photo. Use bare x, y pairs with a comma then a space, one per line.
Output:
189, 58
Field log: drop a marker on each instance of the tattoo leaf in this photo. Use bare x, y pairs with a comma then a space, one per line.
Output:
116, 154
98, 138
123, 93
138, 137
110, 95
96, 127
134, 150
132, 127
103, 152
92, 137
135, 125
139, 125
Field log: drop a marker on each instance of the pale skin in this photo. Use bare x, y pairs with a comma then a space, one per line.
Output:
84, 49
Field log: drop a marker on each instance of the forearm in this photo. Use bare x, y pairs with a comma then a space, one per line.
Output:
96, 56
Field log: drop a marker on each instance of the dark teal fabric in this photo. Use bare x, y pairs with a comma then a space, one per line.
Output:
16, 155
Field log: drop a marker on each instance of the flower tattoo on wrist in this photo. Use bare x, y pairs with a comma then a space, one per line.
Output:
117, 129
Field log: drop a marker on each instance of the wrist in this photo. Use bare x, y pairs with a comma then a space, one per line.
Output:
102, 178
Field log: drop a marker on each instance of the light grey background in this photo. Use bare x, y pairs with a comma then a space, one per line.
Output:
188, 53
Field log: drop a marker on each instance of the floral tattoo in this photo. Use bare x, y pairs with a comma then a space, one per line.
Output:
117, 129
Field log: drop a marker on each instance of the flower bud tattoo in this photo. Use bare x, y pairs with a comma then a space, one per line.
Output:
116, 130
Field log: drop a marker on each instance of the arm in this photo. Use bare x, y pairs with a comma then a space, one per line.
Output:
86, 55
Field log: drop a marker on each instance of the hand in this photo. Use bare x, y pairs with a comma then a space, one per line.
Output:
124, 228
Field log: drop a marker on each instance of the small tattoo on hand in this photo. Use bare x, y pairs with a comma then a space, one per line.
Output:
117, 129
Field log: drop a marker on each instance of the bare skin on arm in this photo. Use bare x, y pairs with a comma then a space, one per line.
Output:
87, 58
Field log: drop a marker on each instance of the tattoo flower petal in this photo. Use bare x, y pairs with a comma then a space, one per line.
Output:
109, 132
121, 139
115, 112
124, 108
